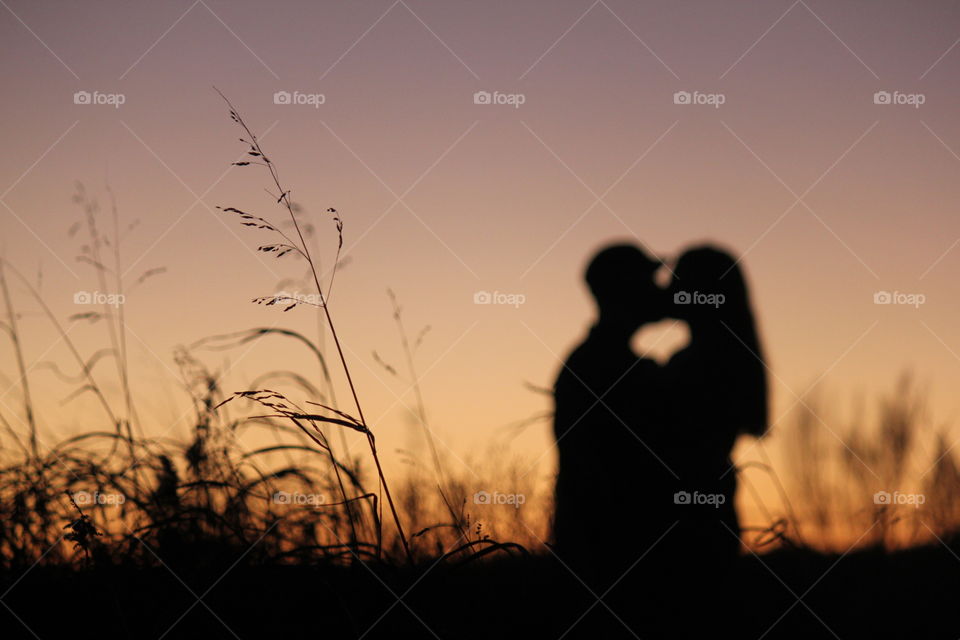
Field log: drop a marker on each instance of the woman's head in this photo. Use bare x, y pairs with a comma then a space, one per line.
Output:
708, 288
709, 292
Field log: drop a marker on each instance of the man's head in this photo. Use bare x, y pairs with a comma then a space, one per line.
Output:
620, 278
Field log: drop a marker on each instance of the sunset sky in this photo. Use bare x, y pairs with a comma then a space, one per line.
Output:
829, 196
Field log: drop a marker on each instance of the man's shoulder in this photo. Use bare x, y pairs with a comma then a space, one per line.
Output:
573, 366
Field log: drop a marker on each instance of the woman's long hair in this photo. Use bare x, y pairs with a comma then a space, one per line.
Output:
702, 276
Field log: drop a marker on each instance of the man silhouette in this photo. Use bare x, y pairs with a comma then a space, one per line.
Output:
606, 401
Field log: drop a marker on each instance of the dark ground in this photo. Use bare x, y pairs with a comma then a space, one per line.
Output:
867, 594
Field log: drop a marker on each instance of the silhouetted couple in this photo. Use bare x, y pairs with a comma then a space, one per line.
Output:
645, 489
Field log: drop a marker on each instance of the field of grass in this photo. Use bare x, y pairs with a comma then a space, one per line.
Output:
113, 533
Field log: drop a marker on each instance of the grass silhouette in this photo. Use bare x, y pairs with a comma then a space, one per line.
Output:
122, 521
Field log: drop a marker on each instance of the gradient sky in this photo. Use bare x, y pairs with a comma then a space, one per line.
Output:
829, 196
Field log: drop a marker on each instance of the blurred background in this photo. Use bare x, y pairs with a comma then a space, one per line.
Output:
816, 140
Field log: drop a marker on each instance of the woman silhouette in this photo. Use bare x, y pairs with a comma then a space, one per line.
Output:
718, 391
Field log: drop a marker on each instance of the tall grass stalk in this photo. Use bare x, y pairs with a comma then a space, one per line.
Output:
85, 368
408, 351
283, 197
21, 367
